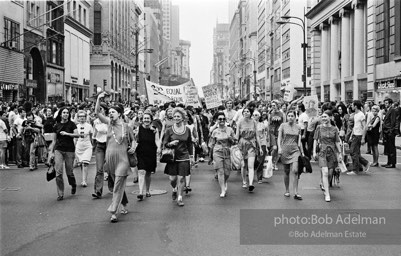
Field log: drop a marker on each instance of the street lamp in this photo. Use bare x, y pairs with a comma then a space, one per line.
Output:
304, 46
137, 52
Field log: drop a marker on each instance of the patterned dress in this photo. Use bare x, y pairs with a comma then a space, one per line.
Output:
289, 143
83, 148
247, 138
221, 140
327, 137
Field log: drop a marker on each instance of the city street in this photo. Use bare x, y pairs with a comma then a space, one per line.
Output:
34, 223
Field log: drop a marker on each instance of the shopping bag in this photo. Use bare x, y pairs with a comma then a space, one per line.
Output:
346, 149
204, 148
342, 166
236, 157
268, 167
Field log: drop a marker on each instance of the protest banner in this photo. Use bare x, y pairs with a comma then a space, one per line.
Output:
192, 96
289, 93
311, 105
160, 94
212, 99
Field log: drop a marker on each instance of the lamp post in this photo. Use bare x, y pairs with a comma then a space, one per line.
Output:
304, 45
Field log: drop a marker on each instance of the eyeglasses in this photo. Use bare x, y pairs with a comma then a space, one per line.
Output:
81, 116
221, 119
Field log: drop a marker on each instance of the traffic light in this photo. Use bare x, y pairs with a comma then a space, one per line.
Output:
137, 78
104, 84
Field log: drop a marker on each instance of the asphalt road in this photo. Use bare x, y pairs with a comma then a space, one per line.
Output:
34, 223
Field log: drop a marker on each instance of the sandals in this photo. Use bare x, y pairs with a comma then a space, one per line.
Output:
251, 188
140, 197
321, 187
298, 197
148, 194
287, 194
113, 218
124, 211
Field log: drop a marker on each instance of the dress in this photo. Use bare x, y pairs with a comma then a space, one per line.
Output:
116, 154
276, 119
289, 143
247, 141
83, 148
373, 135
146, 150
327, 138
221, 140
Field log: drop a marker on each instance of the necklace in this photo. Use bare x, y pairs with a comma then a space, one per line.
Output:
176, 131
114, 135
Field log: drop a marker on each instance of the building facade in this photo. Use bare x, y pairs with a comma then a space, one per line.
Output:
11, 51
112, 63
77, 51
185, 69
339, 49
221, 58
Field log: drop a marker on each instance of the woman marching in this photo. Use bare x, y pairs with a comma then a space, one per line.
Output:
249, 143
264, 137
221, 140
276, 118
63, 150
179, 138
290, 148
118, 136
328, 139
83, 146
146, 151
373, 134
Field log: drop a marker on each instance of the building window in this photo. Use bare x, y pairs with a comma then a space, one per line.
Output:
382, 31
74, 11
11, 34
80, 14
277, 75
97, 28
55, 52
286, 73
85, 17
286, 55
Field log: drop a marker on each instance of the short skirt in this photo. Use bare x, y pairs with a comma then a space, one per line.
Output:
328, 158
182, 168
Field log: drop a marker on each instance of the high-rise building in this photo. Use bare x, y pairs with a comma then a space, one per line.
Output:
11, 51
77, 50
185, 68
152, 42
175, 26
114, 24
221, 58
166, 8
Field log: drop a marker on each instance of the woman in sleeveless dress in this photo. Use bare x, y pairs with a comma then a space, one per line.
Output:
83, 147
118, 136
146, 151
290, 148
250, 145
373, 134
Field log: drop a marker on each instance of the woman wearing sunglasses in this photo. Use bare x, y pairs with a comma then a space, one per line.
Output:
249, 143
221, 140
83, 146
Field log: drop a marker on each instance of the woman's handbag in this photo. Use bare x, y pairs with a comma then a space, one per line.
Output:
40, 140
51, 173
132, 159
268, 167
236, 157
167, 156
342, 166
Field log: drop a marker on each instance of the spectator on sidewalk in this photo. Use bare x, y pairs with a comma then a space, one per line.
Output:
390, 130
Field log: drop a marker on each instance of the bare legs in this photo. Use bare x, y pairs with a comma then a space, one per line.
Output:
293, 169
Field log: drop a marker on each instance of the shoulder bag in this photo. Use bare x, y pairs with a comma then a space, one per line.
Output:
132, 158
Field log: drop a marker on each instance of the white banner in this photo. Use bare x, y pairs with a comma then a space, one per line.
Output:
211, 94
289, 93
184, 93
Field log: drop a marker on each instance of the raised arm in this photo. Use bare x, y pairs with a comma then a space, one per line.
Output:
102, 117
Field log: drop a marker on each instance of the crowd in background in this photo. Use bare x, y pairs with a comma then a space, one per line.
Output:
67, 135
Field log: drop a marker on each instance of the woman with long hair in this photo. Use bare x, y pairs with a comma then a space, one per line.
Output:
222, 138
290, 148
249, 143
62, 149
146, 151
178, 137
119, 136
83, 146
373, 134
328, 139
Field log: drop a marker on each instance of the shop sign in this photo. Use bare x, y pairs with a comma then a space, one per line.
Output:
31, 83
8, 86
74, 80
386, 84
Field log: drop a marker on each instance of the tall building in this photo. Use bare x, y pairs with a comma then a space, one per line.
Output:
175, 26
221, 58
114, 25
152, 42
185, 66
339, 49
234, 64
77, 50
166, 8
11, 51
263, 50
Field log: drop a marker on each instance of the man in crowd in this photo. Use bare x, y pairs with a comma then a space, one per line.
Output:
391, 126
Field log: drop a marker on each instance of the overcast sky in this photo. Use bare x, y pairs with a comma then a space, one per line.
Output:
197, 20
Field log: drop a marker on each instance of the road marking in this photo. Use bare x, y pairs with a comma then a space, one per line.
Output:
11, 189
